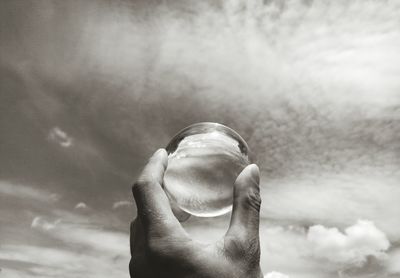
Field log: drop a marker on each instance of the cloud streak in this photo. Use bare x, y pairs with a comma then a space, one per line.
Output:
10, 189
87, 235
275, 275
120, 204
51, 262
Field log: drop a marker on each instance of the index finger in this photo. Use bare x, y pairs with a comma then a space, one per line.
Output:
152, 203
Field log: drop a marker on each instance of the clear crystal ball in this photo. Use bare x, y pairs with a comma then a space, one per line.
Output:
204, 161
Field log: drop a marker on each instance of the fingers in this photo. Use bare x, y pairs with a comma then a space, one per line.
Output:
152, 204
245, 217
180, 214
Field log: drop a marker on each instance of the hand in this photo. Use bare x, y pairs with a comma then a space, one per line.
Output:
161, 248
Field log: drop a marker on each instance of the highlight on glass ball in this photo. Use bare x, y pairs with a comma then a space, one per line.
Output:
204, 161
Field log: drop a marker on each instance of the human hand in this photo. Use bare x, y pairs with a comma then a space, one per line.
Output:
161, 248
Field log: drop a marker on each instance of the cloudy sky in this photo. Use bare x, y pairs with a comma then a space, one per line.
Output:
89, 89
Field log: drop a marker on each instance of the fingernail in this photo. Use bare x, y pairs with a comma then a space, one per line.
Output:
255, 172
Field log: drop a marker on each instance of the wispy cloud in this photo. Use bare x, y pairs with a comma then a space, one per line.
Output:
119, 204
40, 222
89, 235
59, 136
311, 85
15, 190
34, 261
82, 249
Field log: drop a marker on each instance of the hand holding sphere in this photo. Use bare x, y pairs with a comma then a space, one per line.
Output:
161, 248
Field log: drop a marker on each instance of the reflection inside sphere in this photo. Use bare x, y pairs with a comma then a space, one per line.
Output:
204, 161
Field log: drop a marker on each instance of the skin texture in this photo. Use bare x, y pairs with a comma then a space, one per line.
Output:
160, 247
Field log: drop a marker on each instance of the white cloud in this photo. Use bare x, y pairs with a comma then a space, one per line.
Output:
320, 252
119, 204
59, 136
393, 264
81, 205
335, 199
275, 275
287, 250
40, 223
353, 247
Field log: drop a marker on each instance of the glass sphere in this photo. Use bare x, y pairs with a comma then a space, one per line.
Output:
204, 161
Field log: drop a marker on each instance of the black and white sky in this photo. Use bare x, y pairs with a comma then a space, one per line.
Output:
90, 89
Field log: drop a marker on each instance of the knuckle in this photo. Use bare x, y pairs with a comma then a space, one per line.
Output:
234, 248
253, 199
140, 184
156, 248
244, 249
169, 249
253, 248
253, 253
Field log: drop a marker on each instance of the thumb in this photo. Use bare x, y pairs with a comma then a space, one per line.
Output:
245, 217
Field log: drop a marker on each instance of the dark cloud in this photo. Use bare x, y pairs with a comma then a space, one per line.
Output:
311, 85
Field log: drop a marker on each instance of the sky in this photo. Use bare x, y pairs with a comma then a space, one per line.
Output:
90, 89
